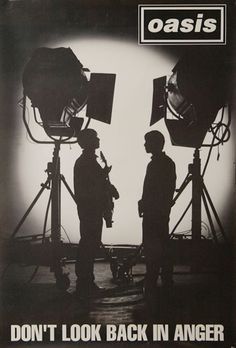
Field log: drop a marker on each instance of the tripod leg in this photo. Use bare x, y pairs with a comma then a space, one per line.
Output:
209, 217
181, 218
214, 212
182, 187
30, 208
68, 187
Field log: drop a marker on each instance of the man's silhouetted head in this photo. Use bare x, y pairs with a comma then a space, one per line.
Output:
154, 142
88, 139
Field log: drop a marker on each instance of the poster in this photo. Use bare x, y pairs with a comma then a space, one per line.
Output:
138, 42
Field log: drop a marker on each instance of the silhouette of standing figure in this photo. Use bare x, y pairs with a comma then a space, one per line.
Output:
90, 184
154, 207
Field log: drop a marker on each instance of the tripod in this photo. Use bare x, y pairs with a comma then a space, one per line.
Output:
53, 183
200, 195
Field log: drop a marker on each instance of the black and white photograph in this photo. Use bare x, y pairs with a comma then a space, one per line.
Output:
118, 178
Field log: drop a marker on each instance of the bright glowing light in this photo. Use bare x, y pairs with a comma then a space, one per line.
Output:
121, 142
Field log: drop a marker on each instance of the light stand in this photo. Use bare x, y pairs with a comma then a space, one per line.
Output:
56, 217
199, 194
53, 183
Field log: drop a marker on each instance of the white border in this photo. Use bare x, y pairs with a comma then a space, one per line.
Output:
220, 41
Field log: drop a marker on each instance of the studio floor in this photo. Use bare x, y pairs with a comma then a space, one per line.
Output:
195, 298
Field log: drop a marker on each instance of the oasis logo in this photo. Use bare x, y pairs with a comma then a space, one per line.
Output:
181, 24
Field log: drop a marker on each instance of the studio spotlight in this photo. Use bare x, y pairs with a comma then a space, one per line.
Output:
56, 83
192, 95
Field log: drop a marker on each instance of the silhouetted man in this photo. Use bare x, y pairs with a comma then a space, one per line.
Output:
90, 184
154, 207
